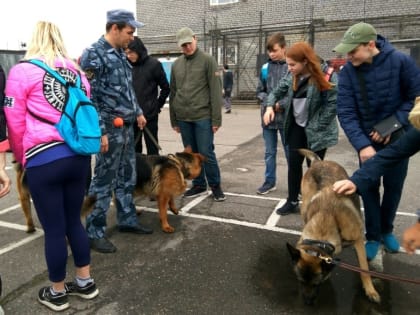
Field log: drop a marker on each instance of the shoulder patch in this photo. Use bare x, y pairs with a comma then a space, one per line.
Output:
9, 101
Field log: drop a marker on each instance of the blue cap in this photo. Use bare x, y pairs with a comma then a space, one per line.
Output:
122, 16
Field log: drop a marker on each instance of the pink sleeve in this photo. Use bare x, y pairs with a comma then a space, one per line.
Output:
15, 110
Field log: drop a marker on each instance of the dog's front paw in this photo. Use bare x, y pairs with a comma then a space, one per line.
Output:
168, 229
373, 296
174, 210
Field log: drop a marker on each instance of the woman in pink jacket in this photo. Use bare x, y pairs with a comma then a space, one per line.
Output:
55, 174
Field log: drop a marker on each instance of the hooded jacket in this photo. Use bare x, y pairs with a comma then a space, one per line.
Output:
148, 77
392, 83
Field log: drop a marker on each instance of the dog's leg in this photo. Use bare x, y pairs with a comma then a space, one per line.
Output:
25, 200
366, 279
163, 201
172, 206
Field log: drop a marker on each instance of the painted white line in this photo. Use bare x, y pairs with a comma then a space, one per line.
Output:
13, 226
229, 221
253, 196
242, 223
37, 234
10, 209
194, 202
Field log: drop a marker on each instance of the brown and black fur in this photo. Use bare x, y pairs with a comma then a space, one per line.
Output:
162, 178
24, 197
328, 218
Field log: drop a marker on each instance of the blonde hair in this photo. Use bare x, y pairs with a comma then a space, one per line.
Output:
47, 44
301, 52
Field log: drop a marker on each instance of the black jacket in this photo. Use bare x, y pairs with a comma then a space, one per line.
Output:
148, 77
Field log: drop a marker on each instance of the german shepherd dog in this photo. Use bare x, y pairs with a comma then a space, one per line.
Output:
331, 221
159, 177
162, 178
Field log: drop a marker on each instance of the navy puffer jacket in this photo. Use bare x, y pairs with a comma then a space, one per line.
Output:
392, 82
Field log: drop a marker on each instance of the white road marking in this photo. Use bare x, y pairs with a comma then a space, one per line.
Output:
270, 224
11, 246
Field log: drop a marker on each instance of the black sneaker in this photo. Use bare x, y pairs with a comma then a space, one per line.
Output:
195, 191
266, 188
218, 194
288, 207
57, 302
87, 292
102, 245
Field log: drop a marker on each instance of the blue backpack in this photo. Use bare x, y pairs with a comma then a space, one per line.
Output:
79, 122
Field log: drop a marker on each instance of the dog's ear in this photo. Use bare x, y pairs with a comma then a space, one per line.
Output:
294, 253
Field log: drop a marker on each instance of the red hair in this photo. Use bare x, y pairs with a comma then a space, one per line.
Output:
301, 52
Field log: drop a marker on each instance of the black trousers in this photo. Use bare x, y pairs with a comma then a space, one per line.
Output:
152, 126
297, 140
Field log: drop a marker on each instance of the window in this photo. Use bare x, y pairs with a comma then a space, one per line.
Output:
220, 2
231, 55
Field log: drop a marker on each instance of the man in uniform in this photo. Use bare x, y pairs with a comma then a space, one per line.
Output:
112, 92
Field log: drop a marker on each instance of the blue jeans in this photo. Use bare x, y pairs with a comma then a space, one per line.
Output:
391, 163
199, 135
380, 215
270, 157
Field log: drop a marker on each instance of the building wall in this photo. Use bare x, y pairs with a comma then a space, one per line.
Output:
244, 27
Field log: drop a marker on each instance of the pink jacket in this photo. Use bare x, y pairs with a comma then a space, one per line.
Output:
30, 87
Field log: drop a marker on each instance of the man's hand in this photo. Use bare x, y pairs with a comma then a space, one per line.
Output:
376, 137
268, 115
104, 144
215, 128
141, 121
345, 187
5, 181
366, 153
411, 238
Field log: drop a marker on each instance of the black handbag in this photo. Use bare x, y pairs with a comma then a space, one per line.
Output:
387, 126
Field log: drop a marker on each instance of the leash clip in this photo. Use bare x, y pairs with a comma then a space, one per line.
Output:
327, 259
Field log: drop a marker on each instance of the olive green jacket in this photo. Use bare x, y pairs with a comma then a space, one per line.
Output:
196, 89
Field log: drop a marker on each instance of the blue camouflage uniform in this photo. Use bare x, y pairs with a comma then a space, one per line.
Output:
109, 74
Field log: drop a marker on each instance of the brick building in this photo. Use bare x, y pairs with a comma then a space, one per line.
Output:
235, 31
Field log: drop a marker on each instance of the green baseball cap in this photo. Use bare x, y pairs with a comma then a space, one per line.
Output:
357, 34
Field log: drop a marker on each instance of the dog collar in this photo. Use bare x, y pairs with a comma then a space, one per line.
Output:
327, 247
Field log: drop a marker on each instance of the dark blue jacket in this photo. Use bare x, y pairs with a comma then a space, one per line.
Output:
392, 82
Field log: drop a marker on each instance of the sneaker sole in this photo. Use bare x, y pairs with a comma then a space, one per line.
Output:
54, 307
196, 195
266, 192
85, 296
219, 199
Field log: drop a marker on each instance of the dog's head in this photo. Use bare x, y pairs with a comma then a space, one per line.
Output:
310, 270
191, 162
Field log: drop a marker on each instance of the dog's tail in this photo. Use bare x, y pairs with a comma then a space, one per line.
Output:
312, 156
87, 205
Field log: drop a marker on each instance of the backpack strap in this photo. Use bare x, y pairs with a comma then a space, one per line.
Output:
264, 72
54, 73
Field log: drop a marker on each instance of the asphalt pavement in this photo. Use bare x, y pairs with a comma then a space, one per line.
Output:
223, 258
